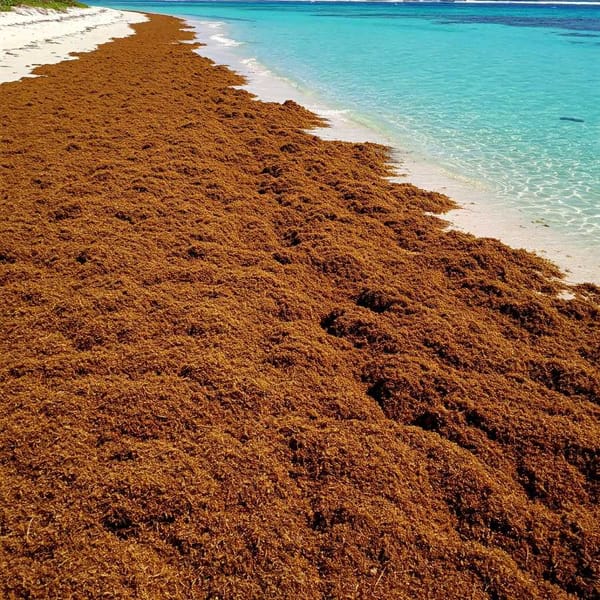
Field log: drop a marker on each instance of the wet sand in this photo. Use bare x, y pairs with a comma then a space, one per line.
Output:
238, 362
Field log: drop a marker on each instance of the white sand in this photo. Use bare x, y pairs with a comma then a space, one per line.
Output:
31, 37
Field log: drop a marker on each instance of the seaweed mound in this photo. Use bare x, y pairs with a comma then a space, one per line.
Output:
238, 362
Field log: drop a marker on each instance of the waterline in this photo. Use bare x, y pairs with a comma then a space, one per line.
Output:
482, 211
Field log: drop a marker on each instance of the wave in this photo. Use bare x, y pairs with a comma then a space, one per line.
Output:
225, 41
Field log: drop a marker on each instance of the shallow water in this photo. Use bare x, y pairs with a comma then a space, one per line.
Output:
503, 100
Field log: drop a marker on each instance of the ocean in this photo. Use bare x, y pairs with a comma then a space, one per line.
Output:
496, 104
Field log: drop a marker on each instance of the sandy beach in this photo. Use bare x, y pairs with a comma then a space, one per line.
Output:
237, 361
32, 37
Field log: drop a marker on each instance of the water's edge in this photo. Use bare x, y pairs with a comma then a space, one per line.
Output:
479, 213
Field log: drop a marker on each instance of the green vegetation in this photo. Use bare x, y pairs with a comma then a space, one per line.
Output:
6, 5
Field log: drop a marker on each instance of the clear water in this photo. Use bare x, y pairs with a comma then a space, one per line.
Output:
504, 97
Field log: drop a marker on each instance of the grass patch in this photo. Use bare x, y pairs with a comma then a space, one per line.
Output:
6, 5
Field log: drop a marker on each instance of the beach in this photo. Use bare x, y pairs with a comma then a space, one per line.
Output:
541, 206
238, 361
32, 37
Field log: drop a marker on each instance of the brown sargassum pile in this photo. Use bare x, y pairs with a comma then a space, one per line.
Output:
238, 362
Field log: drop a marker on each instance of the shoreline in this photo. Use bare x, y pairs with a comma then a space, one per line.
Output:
477, 211
237, 361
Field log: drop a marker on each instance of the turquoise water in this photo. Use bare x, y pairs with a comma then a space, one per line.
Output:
504, 97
